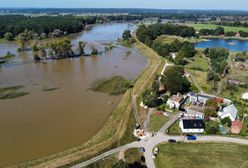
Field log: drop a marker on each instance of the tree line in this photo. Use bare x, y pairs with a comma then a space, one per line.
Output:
147, 34
27, 27
221, 31
183, 49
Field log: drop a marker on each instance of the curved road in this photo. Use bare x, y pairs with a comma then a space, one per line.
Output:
152, 142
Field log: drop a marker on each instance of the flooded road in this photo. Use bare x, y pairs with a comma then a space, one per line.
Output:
43, 123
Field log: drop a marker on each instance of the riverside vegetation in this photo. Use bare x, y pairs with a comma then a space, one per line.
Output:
114, 86
12, 92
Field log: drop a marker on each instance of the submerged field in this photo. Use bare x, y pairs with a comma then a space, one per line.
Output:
202, 155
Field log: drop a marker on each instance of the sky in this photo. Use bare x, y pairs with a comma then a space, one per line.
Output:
156, 4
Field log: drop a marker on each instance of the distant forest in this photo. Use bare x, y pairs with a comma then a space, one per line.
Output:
27, 27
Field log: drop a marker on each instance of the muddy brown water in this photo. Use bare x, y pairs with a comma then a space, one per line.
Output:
43, 123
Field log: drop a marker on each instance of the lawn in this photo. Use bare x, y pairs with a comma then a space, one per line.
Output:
157, 122
169, 39
213, 26
234, 92
132, 155
200, 78
198, 62
202, 155
174, 129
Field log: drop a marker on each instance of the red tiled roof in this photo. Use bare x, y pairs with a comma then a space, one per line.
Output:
236, 127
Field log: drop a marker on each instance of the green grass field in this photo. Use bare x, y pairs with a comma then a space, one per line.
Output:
132, 155
212, 26
198, 62
169, 39
174, 129
201, 77
157, 122
203, 155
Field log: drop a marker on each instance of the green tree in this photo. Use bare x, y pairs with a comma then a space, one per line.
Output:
80, 48
226, 121
212, 127
9, 36
120, 164
175, 81
219, 31
126, 35
94, 50
61, 48
42, 52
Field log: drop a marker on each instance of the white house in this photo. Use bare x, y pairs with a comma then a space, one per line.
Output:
198, 98
191, 113
229, 111
192, 125
175, 101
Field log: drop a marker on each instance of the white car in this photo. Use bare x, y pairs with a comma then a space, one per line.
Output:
153, 156
156, 150
166, 114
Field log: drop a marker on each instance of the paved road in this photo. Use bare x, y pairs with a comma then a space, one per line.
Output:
148, 118
152, 142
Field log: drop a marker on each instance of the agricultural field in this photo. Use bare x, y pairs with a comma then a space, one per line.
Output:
202, 155
213, 26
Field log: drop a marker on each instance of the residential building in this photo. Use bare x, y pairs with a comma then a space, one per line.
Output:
175, 101
192, 125
194, 114
198, 98
229, 111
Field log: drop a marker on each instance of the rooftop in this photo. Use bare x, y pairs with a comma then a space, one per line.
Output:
177, 98
193, 124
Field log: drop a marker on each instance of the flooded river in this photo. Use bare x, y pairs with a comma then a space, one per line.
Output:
43, 123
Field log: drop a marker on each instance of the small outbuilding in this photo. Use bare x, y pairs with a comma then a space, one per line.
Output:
236, 126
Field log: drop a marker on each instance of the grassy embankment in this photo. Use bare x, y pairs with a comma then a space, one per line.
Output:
202, 155
146, 78
117, 129
12, 92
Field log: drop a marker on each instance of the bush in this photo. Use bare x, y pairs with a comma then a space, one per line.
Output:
212, 127
226, 121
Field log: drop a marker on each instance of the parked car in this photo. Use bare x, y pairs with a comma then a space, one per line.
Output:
166, 114
191, 138
153, 156
143, 159
172, 141
156, 150
158, 113
142, 149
